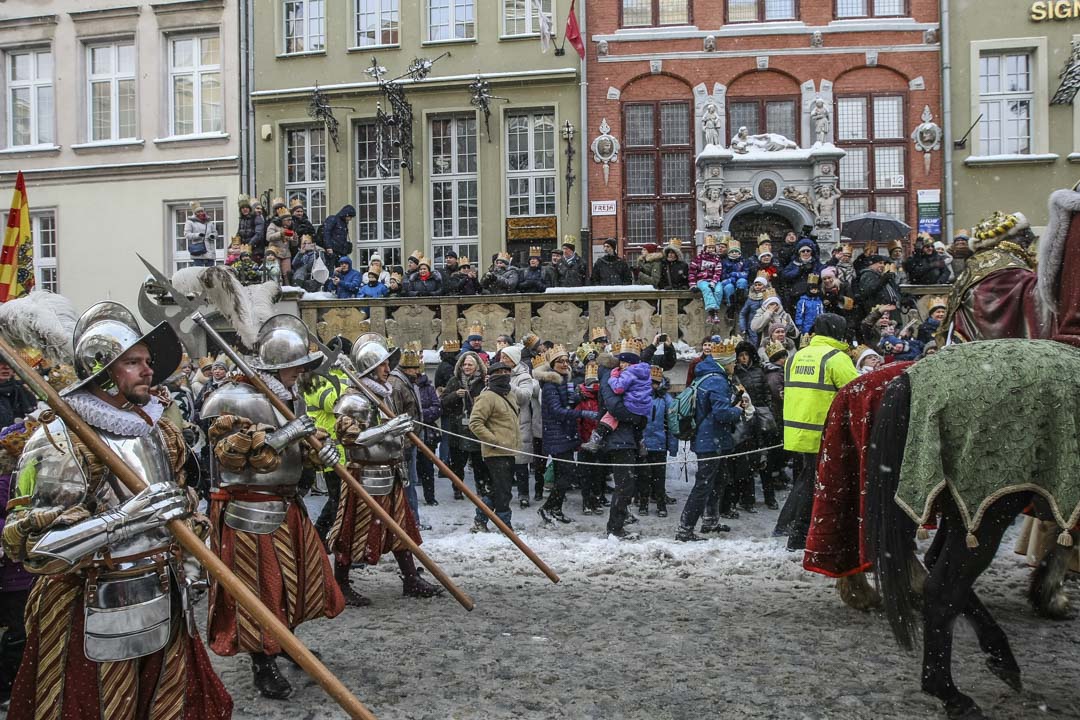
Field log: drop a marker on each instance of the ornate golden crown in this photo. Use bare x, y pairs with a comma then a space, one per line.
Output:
936, 301
451, 345
592, 371
597, 332
656, 372
630, 345
505, 256
476, 330
774, 348
557, 352
535, 250
726, 347
847, 249
1000, 225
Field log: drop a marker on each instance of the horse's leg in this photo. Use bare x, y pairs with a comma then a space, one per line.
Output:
949, 591
1047, 590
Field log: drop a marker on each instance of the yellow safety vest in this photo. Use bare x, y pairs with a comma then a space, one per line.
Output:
811, 379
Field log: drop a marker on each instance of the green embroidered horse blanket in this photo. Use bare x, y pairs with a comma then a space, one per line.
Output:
991, 418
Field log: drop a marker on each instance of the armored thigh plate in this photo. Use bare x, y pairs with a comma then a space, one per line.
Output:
260, 518
127, 618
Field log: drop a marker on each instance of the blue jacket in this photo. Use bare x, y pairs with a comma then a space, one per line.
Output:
746, 315
367, 291
622, 437
806, 312
656, 436
716, 416
795, 272
735, 269
560, 419
336, 230
349, 283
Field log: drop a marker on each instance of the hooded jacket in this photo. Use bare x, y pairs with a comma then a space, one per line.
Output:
378, 290
445, 371
336, 231
648, 268
656, 435
716, 415
752, 376
348, 284
611, 270
498, 281
707, 266
525, 389
674, 274
811, 379
458, 409
194, 227
559, 416
494, 420
634, 383
795, 273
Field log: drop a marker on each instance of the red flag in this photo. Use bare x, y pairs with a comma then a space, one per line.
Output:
17, 253
573, 32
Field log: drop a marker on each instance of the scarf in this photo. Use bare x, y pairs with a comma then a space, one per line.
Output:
103, 416
499, 384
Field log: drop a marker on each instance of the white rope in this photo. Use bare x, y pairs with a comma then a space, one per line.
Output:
549, 458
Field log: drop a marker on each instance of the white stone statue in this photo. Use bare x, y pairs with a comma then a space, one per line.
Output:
710, 123
821, 117
712, 198
825, 205
743, 142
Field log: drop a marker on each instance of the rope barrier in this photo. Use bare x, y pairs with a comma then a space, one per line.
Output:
676, 461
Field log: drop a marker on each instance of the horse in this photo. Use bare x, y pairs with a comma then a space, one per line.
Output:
935, 429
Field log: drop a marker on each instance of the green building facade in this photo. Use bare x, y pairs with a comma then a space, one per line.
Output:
479, 183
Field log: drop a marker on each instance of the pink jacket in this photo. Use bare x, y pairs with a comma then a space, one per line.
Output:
707, 266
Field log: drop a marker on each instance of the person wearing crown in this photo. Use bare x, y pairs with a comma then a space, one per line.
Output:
502, 278
405, 399
572, 268
936, 308
674, 272
532, 277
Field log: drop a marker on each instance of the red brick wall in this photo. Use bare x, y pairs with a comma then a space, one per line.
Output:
847, 71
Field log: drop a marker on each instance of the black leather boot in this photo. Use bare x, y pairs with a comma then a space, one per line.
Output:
353, 598
268, 679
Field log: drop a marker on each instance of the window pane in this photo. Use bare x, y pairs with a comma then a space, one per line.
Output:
210, 48
101, 60
21, 116
545, 195
674, 12
183, 53
517, 142
780, 118
990, 128
889, 167
366, 159
367, 213
126, 104
45, 114
888, 118
518, 197
641, 224
1017, 73
742, 10
464, 19
1018, 127
515, 17
21, 66
888, 7
891, 205
391, 198
675, 124
100, 111
544, 142
318, 154
438, 19
639, 125
44, 66
989, 74
442, 209
779, 9
467, 209
441, 152
850, 8
676, 221
125, 59
640, 175
675, 169
183, 106
745, 114
854, 169
316, 25
390, 21
211, 102
466, 145
851, 119
636, 13
850, 207
316, 206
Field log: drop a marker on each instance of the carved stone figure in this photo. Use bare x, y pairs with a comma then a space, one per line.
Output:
710, 123
560, 322
692, 326
826, 205
798, 196
734, 197
415, 322
710, 43
602, 48
605, 148
817, 39
743, 142
821, 117
348, 322
713, 200
640, 314
495, 319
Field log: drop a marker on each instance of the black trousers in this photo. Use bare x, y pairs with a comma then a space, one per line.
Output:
521, 479
539, 465
564, 478
794, 519
425, 471
460, 457
625, 472
329, 509
652, 480
710, 483
592, 478
12, 605
495, 490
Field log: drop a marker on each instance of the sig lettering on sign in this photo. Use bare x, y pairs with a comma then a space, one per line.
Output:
604, 207
1055, 10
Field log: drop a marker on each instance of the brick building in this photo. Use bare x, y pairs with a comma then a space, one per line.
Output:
660, 71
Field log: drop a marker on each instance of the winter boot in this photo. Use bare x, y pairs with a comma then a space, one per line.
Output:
661, 510
479, 526
586, 507
686, 534
546, 516
412, 584
353, 598
710, 525
558, 515
596, 440
643, 507
524, 501
268, 679
624, 534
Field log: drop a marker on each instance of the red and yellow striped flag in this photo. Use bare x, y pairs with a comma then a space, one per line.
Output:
17, 256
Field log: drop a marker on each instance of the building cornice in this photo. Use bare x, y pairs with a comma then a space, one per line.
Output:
740, 30
153, 168
771, 52
181, 6
23, 22
431, 82
113, 13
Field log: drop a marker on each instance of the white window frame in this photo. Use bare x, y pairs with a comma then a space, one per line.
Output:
456, 9
870, 10
306, 188
43, 265
532, 20
195, 73
384, 11
1040, 83
35, 84
175, 236
467, 244
384, 179
1000, 100
313, 39
114, 78
532, 174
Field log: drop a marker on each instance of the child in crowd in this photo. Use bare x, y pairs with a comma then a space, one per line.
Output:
633, 381
591, 480
236, 247
736, 276
810, 304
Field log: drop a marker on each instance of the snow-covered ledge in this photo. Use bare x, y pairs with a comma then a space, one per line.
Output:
599, 290
1018, 159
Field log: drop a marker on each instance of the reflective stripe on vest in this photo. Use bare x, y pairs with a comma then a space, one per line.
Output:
803, 426
820, 385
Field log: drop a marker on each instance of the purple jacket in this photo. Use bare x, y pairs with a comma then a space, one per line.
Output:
12, 575
430, 407
635, 385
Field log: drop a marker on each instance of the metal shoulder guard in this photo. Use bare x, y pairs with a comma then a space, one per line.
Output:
241, 399
50, 471
357, 407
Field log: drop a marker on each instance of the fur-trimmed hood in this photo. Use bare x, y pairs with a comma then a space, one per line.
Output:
607, 360
1052, 246
479, 363
653, 256
545, 373
674, 249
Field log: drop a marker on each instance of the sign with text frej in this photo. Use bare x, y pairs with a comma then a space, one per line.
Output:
604, 207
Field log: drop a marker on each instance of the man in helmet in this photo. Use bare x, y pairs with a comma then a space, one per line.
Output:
109, 624
374, 448
260, 527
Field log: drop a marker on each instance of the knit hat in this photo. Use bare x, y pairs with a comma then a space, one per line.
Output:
772, 300
761, 278
862, 353
828, 271
531, 341
613, 243
449, 254
765, 254
375, 258
773, 327
512, 355
243, 201
651, 247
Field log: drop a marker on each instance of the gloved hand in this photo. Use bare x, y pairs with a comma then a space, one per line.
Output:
590, 415
748, 407
153, 507
328, 454
399, 425
297, 429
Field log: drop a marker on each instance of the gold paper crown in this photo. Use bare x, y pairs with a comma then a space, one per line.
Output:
895, 245
656, 372
451, 345
630, 345
411, 359
538, 361
709, 240
597, 332
295, 203
535, 250
505, 256
421, 259
847, 249
416, 254
937, 301
726, 347
734, 246
774, 348
675, 242
592, 371
463, 260
557, 352
476, 330
396, 276
813, 279
765, 247
569, 240
278, 206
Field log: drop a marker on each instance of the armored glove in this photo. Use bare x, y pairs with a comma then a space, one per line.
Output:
398, 426
298, 429
328, 454
153, 507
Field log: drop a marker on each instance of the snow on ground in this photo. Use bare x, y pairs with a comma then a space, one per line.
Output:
649, 630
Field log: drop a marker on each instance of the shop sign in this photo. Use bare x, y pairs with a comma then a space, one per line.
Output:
1055, 10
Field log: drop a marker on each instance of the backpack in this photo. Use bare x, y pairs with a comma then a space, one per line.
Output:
320, 235
682, 414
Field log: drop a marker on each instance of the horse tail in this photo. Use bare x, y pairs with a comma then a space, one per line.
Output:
888, 532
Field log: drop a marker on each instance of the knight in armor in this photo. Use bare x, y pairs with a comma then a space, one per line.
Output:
374, 450
110, 632
261, 529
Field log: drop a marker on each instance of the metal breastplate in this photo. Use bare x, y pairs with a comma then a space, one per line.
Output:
376, 464
261, 518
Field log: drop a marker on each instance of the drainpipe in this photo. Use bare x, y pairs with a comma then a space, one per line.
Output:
245, 92
946, 110
583, 132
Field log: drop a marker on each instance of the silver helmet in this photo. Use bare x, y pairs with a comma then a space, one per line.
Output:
108, 330
370, 351
283, 343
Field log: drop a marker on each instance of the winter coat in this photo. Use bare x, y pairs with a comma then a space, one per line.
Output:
494, 420
611, 270
458, 409
250, 227
837, 301
418, 287
656, 435
806, 312
624, 437
927, 330
378, 290
774, 376
302, 265
461, 283
531, 280
674, 275
499, 281
648, 268
348, 284
768, 314
430, 409
634, 383
590, 401
716, 415
280, 239
746, 316
571, 271
925, 269
559, 416
735, 269
302, 226
526, 390
845, 271
336, 231
785, 253
549, 276
15, 402
811, 379
795, 273
878, 289
707, 266
752, 377
665, 358
194, 228
445, 370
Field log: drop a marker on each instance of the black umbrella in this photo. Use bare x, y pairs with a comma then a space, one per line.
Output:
874, 227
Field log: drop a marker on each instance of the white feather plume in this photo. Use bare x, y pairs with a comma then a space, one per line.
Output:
41, 321
245, 307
